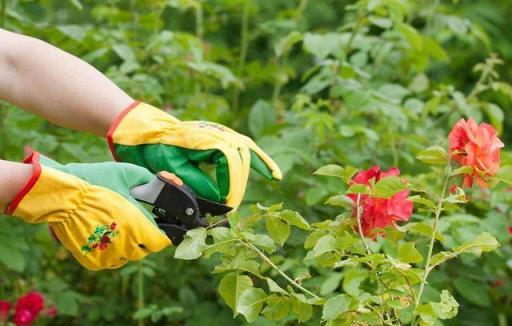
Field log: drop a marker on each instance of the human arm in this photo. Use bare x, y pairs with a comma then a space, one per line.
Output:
13, 176
56, 85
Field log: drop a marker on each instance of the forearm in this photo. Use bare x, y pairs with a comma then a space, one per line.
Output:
13, 176
49, 82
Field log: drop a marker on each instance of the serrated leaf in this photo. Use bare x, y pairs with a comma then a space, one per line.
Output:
193, 245
485, 242
331, 283
423, 201
294, 218
277, 308
336, 306
409, 254
447, 308
274, 287
331, 170
388, 186
325, 244
231, 288
340, 200
277, 229
462, 170
302, 310
433, 155
359, 189
251, 302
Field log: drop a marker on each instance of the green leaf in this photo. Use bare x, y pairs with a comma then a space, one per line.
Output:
277, 308
12, 257
388, 186
325, 244
447, 308
359, 189
475, 292
485, 242
331, 283
231, 288
251, 302
496, 115
277, 229
411, 35
462, 170
335, 306
193, 245
409, 254
352, 281
274, 287
285, 44
322, 45
433, 155
423, 201
302, 310
331, 170
340, 200
294, 218
261, 116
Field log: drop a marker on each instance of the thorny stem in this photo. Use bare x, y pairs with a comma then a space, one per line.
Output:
439, 209
359, 226
274, 266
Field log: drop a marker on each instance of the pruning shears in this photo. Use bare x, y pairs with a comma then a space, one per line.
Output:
176, 206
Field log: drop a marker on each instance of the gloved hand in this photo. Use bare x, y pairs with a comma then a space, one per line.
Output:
90, 210
149, 137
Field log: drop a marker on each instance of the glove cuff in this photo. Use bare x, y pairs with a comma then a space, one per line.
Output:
115, 124
36, 173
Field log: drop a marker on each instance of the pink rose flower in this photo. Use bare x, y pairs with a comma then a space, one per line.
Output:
477, 146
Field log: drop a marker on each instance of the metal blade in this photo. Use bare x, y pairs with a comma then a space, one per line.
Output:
210, 207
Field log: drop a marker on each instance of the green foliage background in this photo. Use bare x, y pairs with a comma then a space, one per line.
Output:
313, 82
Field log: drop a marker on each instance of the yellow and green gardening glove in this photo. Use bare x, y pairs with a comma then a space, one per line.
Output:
90, 210
149, 137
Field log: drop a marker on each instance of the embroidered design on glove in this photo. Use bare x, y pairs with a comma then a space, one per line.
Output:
101, 238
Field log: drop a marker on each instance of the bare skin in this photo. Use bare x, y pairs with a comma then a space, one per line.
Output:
57, 86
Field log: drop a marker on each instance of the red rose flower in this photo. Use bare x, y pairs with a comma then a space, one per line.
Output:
510, 230
103, 246
24, 317
5, 307
105, 239
113, 226
477, 146
28, 308
380, 212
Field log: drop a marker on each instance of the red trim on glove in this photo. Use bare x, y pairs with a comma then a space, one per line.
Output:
114, 126
34, 159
